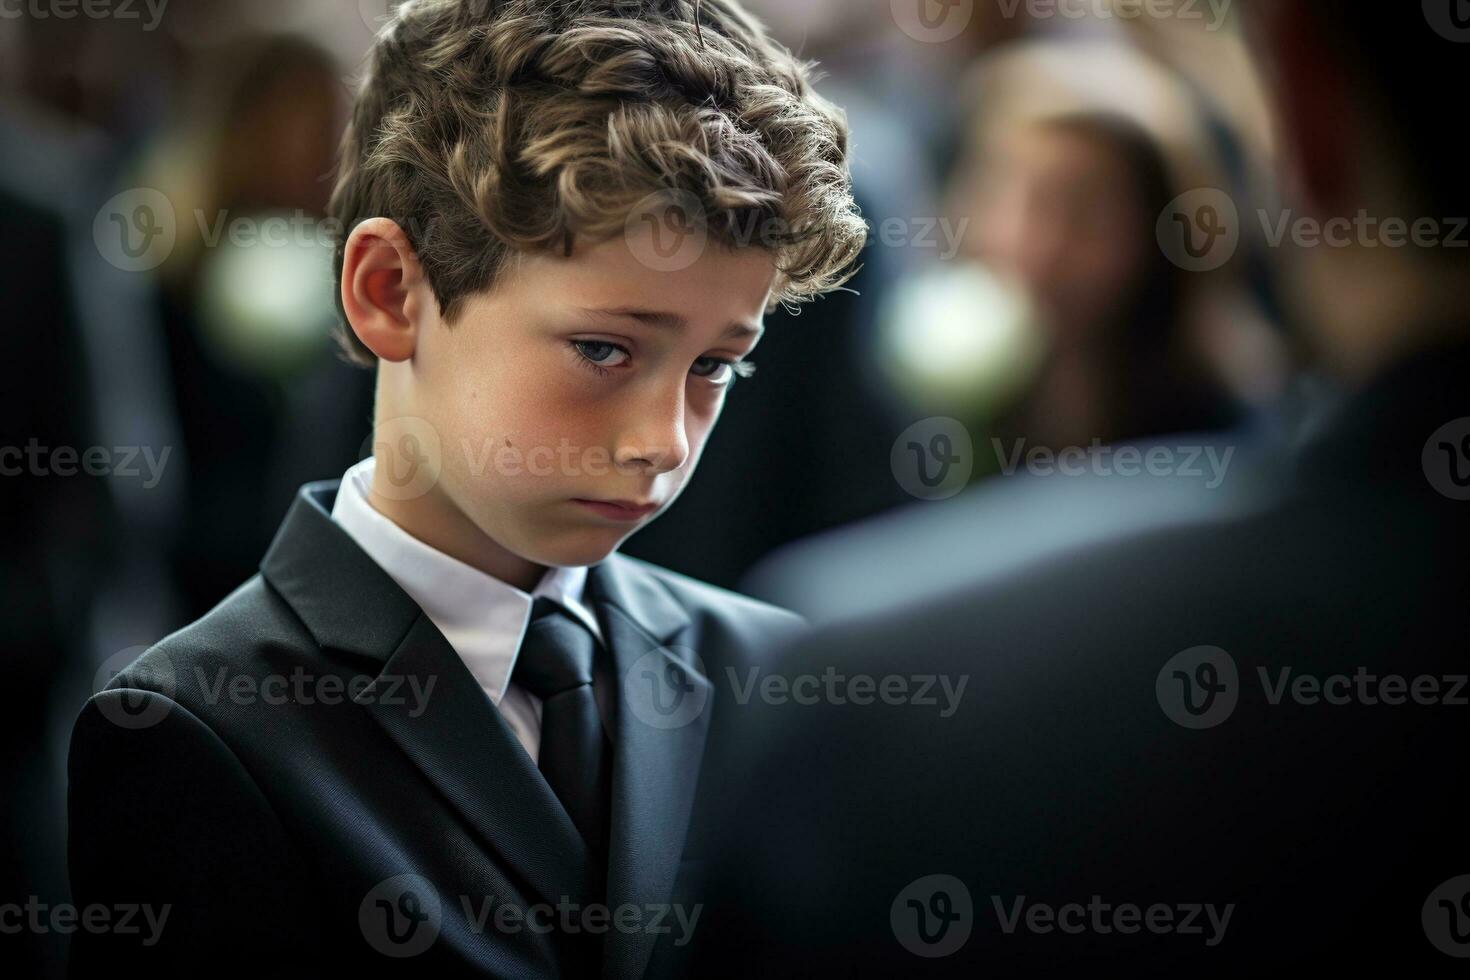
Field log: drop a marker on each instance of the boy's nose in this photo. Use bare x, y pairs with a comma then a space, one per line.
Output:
655, 439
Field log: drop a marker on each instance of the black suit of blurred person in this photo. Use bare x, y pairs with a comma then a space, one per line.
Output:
1331, 822
56, 529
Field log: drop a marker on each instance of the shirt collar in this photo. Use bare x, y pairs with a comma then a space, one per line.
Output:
482, 617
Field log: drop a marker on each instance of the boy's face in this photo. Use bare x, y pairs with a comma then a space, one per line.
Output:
592, 377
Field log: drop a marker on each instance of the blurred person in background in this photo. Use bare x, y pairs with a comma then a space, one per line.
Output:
81, 552
56, 526
1058, 326
1065, 207
264, 401
93, 561
1232, 742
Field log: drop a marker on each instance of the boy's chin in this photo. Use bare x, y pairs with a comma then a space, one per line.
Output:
586, 548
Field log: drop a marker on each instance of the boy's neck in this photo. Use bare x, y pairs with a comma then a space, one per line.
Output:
434, 520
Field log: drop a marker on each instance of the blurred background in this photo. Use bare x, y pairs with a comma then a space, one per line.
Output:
164, 171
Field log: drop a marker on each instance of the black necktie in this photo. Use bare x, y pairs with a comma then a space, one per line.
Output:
555, 664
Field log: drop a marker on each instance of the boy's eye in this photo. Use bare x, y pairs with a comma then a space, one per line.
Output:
601, 353
713, 369
722, 370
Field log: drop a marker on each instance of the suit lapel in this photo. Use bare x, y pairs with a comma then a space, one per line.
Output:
660, 726
466, 749
454, 734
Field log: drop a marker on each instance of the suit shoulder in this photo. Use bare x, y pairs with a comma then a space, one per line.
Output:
703, 599
237, 636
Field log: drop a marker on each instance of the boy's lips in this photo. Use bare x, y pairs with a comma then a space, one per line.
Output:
619, 510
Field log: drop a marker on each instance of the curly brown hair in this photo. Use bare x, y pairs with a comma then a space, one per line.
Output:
487, 129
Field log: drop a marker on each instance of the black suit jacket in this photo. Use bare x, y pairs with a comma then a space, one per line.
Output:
1337, 831
278, 827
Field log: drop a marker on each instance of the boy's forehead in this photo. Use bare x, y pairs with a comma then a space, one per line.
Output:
614, 274
666, 320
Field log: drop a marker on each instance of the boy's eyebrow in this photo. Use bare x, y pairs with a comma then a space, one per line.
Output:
671, 320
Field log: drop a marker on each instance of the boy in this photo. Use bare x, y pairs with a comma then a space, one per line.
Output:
447, 723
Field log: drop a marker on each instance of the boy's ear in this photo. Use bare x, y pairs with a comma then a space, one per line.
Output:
381, 277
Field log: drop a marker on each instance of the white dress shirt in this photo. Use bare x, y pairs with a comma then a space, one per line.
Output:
483, 618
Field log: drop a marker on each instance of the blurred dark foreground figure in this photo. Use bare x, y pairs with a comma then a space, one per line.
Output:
1219, 745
